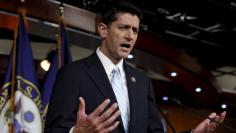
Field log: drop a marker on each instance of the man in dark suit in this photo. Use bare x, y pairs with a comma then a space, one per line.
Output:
85, 99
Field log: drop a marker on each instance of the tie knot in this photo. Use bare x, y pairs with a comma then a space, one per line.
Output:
115, 70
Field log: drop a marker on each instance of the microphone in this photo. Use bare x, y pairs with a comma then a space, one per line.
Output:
178, 102
166, 119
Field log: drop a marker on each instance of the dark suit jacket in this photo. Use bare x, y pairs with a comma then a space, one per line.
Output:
87, 78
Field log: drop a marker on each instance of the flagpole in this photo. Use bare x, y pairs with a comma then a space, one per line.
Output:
13, 75
12, 98
61, 13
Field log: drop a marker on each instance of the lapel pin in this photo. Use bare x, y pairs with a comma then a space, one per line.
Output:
133, 79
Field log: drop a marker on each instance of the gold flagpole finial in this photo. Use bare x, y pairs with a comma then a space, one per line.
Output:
61, 9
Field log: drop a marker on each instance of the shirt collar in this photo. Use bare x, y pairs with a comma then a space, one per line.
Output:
107, 63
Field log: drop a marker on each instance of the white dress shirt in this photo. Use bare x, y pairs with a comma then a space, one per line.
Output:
108, 66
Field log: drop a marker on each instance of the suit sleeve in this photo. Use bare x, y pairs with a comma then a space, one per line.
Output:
154, 120
61, 114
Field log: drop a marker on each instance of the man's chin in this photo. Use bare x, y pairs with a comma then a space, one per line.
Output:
124, 56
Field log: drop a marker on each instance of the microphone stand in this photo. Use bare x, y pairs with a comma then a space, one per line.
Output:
166, 119
176, 101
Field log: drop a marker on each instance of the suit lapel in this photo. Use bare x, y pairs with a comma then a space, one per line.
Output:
98, 75
132, 86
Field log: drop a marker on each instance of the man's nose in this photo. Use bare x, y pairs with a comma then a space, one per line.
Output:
130, 35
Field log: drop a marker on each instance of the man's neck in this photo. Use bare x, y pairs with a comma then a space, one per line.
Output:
113, 60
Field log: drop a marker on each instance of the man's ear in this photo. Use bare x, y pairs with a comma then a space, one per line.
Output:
102, 30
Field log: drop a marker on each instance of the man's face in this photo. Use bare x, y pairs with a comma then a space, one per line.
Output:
120, 36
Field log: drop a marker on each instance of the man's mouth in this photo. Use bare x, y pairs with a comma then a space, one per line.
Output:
125, 45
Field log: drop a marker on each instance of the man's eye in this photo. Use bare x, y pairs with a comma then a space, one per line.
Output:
135, 31
122, 27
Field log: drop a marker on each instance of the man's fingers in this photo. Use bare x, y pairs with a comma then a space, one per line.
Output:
100, 115
108, 123
81, 124
210, 117
102, 119
81, 110
111, 128
108, 112
213, 124
100, 109
108, 117
111, 119
220, 119
222, 116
